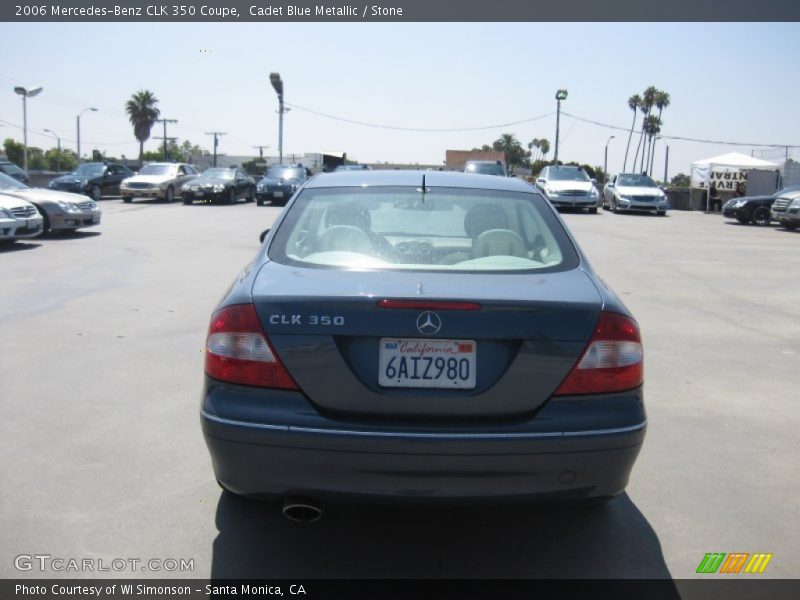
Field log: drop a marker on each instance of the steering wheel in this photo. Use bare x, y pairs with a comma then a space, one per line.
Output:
345, 238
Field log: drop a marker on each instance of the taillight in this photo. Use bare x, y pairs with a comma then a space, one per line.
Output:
613, 361
237, 350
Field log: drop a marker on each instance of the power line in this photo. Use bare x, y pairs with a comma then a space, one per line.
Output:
417, 129
677, 137
165, 121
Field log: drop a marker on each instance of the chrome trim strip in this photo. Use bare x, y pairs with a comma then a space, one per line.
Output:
468, 436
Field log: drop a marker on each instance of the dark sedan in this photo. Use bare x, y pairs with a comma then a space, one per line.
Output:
421, 335
280, 183
220, 184
93, 179
753, 209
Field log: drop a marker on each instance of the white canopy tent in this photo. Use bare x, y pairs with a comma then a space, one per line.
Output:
726, 170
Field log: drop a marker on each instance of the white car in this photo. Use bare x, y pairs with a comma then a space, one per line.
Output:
568, 187
158, 180
634, 192
19, 220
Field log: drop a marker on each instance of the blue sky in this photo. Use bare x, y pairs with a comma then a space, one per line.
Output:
734, 82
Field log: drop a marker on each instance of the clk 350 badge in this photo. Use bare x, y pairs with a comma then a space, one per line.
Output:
314, 320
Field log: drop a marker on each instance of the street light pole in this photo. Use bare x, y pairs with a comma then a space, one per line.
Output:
666, 162
560, 95
78, 130
653, 155
605, 157
26, 93
277, 85
58, 156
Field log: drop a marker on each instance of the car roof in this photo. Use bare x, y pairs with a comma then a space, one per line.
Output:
414, 178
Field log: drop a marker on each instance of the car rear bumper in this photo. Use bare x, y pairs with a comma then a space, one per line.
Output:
574, 447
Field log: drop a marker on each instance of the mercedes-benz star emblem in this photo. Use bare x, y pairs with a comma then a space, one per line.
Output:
429, 323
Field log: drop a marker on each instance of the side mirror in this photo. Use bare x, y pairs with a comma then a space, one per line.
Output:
263, 236
540, 180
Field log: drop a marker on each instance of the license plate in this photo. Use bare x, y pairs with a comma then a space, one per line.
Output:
277, 194
95, 218
199, 194
413, 363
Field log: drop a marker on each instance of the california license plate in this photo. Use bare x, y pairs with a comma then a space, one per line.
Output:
277, 194
418, 363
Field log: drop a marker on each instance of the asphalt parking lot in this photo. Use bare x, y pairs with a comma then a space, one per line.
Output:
101, 362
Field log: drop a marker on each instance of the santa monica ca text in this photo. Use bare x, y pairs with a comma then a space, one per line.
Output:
140, 589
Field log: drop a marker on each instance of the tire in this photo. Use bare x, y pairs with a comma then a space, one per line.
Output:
761, 216
661, 213
127, 199
169, 196
593, 211
743, 220
251, 196
232, 196
96, 193
187, 201
259, 202
45, 223
615, 208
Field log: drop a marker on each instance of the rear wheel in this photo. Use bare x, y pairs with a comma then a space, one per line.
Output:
187, 200
761, 216
743, 220
260, 202
169, 196
661, 213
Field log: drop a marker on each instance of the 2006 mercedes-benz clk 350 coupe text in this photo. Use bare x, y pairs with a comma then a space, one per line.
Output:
434, 335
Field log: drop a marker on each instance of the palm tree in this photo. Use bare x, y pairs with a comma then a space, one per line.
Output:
661, 101
544, 144
510, 146
648, 99
142, 113
633, 103
535, 143
652, 127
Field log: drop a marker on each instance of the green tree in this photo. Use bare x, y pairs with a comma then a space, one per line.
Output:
142, 113
36, 160
680, 180
516, 156
14, 151
66, 159
648, 100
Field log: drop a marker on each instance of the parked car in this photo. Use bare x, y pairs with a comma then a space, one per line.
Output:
485, 167
786, 208
94, 179
412, 334
568, 187
9, 168
220, 184
353, 168
755, 209
60, 211
158, 180
635, 193
19, 220
280, 183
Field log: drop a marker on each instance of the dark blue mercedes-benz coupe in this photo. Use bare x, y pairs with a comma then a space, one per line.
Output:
421, 335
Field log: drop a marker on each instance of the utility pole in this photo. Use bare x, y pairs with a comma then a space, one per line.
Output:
165, 121
216, 135
261, 151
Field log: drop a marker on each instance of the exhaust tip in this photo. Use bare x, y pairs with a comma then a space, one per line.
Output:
302, 510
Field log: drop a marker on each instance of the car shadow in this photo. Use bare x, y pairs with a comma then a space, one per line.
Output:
513, 542
635, 214
72, 235
17, 246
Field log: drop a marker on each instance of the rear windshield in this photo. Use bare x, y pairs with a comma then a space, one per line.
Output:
285, 173
485, 168
445, 229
